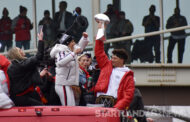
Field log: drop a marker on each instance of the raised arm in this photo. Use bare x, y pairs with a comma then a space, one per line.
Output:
100, 54
33, 61
63, 59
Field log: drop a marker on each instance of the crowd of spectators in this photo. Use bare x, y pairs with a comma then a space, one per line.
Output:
119, 26
21, 26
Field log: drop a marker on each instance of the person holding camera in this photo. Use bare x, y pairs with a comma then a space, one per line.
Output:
48, 29
24, 76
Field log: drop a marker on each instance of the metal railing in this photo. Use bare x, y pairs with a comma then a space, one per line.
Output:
126, 38
144, 35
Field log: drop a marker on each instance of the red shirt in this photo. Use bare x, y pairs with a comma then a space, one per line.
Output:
22, 29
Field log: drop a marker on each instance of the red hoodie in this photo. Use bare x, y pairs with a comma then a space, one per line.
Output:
4, 63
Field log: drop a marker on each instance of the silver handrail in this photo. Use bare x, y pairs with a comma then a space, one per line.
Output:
127, 37
145, 34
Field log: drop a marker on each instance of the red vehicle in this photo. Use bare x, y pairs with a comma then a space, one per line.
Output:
59, 114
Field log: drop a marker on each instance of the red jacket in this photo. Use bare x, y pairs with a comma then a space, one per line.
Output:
22, 28
5, 29
126, 88
4, 63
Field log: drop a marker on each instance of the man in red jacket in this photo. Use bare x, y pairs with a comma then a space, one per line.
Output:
6, 34
115, 79
21, 25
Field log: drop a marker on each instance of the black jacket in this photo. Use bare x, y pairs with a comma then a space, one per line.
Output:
176, 21
68, 19
24, 73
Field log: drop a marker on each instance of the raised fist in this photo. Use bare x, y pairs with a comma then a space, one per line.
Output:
85, 34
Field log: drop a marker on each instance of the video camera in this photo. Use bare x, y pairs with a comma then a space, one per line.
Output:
47, 60
79, 26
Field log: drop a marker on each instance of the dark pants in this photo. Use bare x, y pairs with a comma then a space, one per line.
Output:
181, 48
154, 42
25, 44
6, 43
29, 99
48, 89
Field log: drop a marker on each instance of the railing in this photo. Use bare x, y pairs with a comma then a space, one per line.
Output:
145, 34
126, 38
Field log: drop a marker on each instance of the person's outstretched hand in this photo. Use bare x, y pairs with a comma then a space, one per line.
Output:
85, 34
40, 35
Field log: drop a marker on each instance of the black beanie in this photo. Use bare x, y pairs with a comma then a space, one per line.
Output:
5, 10
22, 8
